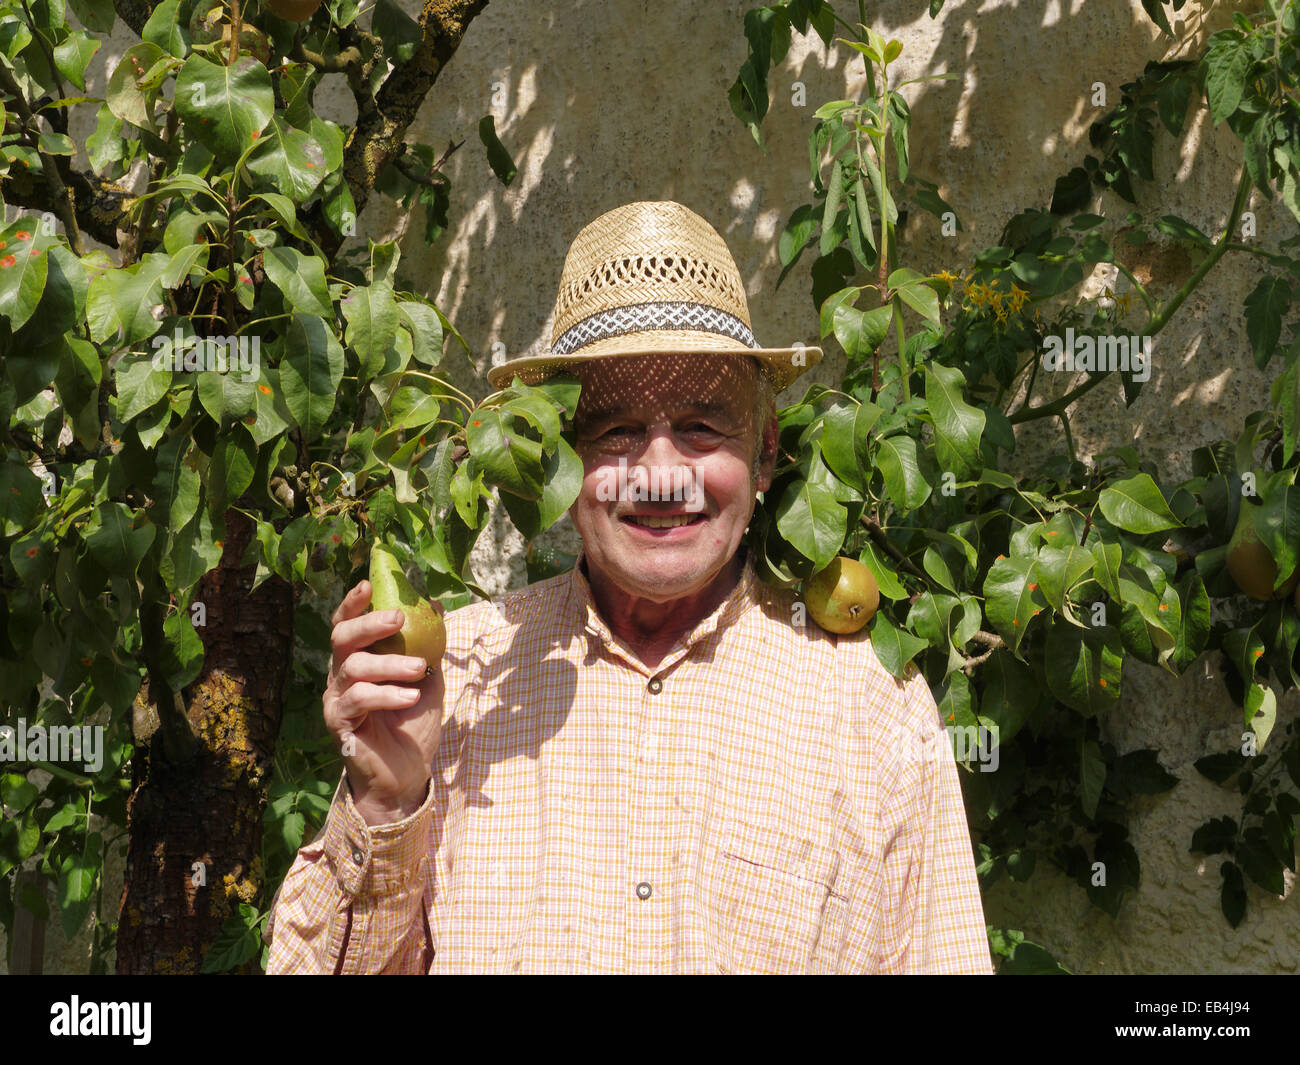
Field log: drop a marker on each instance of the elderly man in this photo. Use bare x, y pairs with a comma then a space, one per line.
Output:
642, 765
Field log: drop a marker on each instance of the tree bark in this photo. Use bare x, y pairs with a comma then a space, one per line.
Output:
208, 809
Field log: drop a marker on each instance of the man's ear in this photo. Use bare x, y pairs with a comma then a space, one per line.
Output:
767, 452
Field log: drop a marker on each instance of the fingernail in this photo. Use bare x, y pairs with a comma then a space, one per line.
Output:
416, 663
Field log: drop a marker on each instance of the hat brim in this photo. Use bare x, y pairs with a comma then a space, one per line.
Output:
780, 365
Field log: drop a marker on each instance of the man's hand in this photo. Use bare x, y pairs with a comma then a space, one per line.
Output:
384, 711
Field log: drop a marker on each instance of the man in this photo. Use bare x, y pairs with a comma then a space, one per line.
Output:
643, 765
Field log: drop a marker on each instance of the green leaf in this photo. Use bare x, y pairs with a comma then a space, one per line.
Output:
509, 458
182, 650
422, 322
1136, 505
311, 372
1260, 712
886, 580
812, 521
1227, 65
23, 271
77, 876
300, 279
860, 333
224, 106
1010, 695
845, 441
287, 159
20, 494
893, 646
120, 303
113, 543
124, 96
166, 30
139, 385
1011, 598
73, 54
175, 485
1083, 667
238, 942
1265, 307
905, 484
1277, 523
371, 314
193, 551
1193, 629
957, 425
915, 290
498, 157
562, 480
1059, 569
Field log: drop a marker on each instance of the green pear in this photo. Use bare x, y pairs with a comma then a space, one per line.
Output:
1251, 564
422, 633
843, 597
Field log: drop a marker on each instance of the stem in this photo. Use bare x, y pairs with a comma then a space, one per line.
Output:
903, 368
1137, 287
1157, 321
877, 533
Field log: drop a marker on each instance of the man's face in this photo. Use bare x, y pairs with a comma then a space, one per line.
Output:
681, 428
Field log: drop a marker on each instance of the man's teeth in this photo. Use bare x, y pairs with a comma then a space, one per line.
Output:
665, 521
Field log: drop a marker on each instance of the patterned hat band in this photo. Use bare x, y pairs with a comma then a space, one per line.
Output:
642, 317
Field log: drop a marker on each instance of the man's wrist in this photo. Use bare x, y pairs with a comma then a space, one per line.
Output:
376, 812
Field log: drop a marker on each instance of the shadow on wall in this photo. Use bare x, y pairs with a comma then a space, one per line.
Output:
602, 103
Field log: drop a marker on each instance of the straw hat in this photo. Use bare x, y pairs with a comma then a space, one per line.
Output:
651, 278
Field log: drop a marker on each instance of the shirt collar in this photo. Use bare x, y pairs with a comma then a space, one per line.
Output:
588, 618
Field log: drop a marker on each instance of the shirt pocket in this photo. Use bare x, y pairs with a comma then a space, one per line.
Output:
778, 892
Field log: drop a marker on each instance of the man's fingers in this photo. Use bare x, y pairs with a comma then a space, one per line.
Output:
362, 665
354, 603
364, 698
357, 633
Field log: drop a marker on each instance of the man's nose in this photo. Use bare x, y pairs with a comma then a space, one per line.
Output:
661, 448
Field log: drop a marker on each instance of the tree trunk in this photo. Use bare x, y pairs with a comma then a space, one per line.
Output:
209, 808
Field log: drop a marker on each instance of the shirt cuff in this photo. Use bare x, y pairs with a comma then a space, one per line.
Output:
375, 859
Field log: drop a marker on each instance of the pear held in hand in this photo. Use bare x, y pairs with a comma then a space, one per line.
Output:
843, 597
422, 633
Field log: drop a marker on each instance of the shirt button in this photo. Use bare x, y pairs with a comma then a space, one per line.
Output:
643, 890
357, 856
655, 686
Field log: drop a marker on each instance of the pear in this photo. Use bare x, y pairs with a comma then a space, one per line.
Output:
843, 597
422, 633
1251, 564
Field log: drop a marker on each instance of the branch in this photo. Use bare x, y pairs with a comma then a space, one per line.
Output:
60, 196
381, 125
990, 640
878, 537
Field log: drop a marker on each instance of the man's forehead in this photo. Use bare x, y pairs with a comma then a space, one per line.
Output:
697, 380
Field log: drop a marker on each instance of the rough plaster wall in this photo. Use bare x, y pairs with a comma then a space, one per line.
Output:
621, 100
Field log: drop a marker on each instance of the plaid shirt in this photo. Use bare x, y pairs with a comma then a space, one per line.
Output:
768, 799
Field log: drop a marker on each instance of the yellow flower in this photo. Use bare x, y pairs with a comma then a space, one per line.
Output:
1124, 301
1018, 296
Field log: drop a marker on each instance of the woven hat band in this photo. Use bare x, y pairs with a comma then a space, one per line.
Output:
659, 314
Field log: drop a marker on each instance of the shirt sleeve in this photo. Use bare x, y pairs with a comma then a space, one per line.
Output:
356, 898
939, 921
359, 898
916, 905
